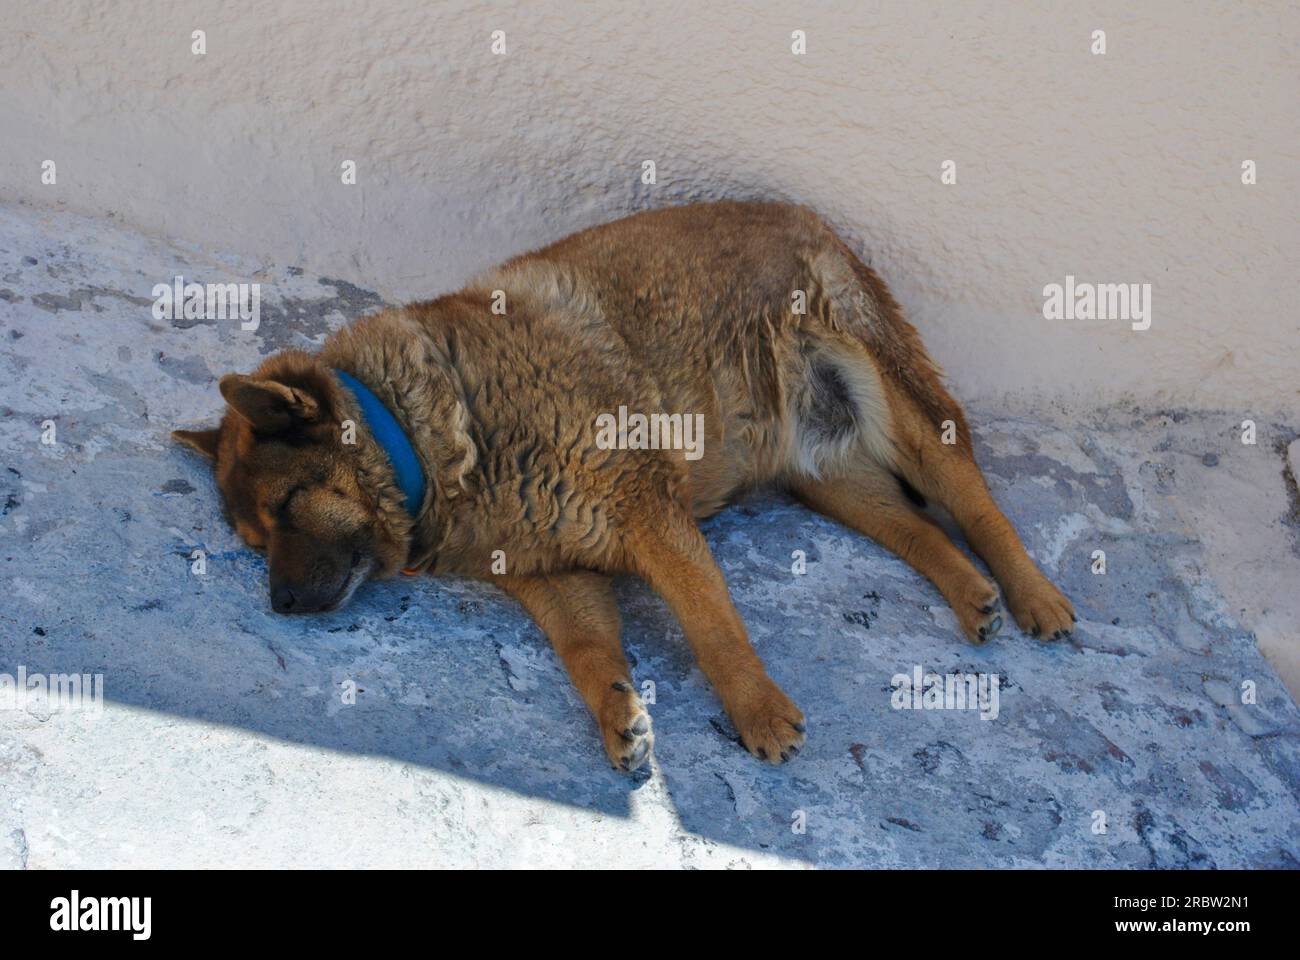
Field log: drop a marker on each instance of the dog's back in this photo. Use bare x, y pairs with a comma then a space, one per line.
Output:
753, 314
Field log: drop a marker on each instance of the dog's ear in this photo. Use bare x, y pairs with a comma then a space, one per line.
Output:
270, 406
204, 441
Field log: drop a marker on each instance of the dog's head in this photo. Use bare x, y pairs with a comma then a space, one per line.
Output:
292, 489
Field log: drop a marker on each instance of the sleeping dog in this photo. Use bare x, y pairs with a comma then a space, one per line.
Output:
486, 433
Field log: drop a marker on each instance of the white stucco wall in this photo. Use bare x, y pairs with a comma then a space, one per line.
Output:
1117, 168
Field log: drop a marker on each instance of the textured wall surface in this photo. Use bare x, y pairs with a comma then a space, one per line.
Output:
1117, 168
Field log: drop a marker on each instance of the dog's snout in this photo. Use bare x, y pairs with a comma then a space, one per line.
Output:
299, 598
282, 598
328, 589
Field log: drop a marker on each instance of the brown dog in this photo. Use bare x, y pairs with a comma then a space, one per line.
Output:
754, 317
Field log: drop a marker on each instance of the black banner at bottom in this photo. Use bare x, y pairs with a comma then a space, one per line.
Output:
305, 908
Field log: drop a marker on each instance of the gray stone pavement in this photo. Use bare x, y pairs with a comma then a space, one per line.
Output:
223, 739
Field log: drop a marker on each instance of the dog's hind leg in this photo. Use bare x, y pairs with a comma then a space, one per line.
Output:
929, 443
946, 473
579, 615
867, 498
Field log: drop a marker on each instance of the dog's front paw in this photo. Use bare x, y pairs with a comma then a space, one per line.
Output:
770, 726
625, 727
979, 610
1040, 609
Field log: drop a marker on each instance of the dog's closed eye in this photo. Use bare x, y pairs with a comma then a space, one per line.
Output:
281, 512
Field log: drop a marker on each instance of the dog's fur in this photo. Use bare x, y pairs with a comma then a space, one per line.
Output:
683, 310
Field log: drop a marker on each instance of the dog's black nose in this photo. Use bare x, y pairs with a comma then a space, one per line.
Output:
282, 599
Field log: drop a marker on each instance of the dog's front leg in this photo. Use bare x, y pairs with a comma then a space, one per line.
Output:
579, 615
668, 550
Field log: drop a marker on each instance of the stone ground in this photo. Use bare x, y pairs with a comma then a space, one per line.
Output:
224, 741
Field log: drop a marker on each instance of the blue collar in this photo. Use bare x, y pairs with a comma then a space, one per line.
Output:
390, 436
